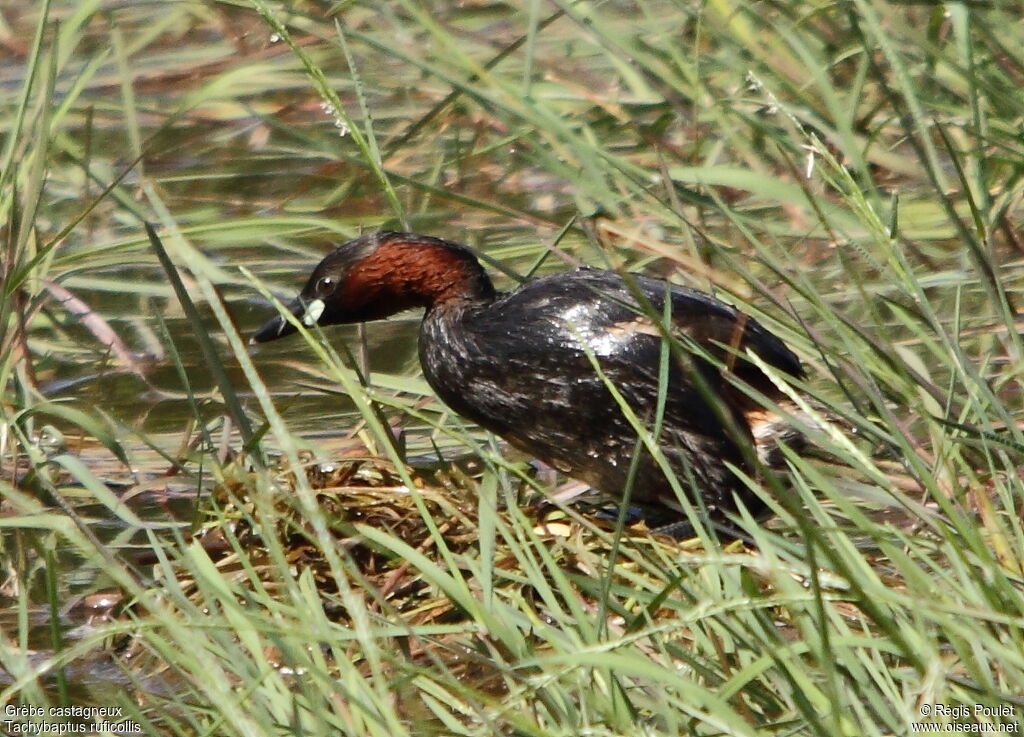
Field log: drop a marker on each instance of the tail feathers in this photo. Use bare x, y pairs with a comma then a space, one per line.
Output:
770, 429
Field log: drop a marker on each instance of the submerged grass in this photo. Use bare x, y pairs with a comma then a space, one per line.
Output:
848, 173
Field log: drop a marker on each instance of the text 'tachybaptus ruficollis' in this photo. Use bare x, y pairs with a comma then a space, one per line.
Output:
521, 364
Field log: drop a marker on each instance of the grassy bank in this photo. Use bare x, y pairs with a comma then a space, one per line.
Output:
847, 173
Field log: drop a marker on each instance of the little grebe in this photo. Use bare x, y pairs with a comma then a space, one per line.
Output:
518, 364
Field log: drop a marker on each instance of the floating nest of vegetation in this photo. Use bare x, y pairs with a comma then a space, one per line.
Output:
381, 536
351, 495
357, 496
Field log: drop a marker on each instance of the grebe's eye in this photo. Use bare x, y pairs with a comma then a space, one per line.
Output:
325, 285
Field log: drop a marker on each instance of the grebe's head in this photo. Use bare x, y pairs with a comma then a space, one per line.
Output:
375, 276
